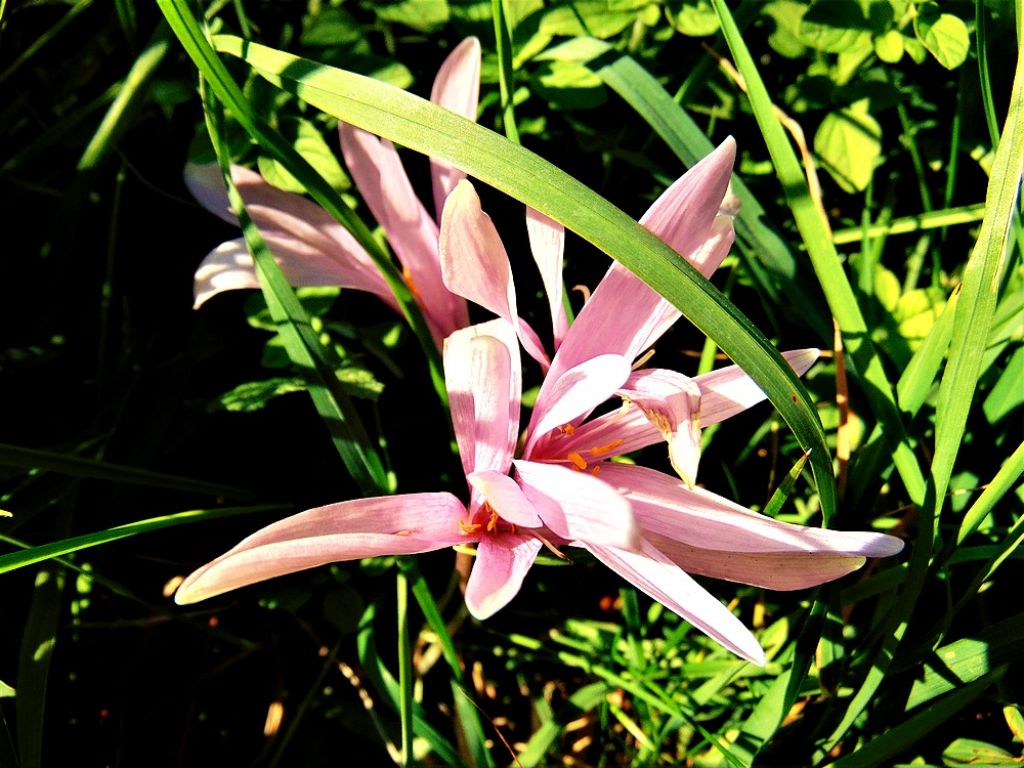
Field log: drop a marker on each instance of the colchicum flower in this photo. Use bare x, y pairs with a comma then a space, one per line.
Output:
313, 249
564, 491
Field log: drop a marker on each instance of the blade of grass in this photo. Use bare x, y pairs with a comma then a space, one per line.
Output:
825, 260
302, 342
50, 33
419, 125
503, 44
404, 668
948, 217
1001, 484
14, 560
75, 466
192, 38
469, 716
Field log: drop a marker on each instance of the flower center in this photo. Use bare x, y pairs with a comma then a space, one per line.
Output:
488, 520
576, 459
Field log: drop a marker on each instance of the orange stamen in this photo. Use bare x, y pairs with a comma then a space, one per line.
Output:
596, 470
567, 429
576, 459
407, 277
607, 447
468, 528
492, 524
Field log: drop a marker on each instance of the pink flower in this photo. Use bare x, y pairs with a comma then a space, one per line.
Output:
649, 527
314, 249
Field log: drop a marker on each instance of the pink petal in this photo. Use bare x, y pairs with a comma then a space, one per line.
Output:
456, 87
729, 390
206, 184
624, 315
655, 575
474, 263
309, 245
381, 179
505, 497
575, 393
501, 564
671, 402
482, 372
547, 243
664, 506
615, 433
386, 525
576, 505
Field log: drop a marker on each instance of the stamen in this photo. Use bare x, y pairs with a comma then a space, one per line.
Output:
642, 360
492, 523
567, 429
607, 447
576, 459
407, 277
468, 528
596, 470
584, 290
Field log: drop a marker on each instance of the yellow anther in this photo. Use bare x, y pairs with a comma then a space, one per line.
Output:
596, 470
407, 277
468, 528
567, 429
576, 459
607, 447
492, 523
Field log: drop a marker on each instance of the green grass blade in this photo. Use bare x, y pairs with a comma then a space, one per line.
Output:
404, 668
765, 250
827, 265
132, 91
424, 127
979, 291
1001, 484
191, 36
778, 499
966, 214
14, 560
469, 716
39, 639
506, 75
301, 341
75, 466
902, 737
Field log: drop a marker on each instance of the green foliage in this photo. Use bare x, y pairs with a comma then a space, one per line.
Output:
116, 391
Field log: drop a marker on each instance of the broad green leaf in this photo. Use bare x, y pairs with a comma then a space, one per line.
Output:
566, 85
424, 127
331, 27
38, 640
1014, 721
889, 46
599, 18
694, 18
849, 143
421, 15
785, 38
254, 395
6, 691
835, 26
943, 34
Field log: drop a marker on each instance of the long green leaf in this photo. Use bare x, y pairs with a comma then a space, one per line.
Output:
424, 127
825, 260
15, 560
75, 466
301, 341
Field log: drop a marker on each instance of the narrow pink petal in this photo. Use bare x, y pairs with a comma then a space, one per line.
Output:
664, 506
456, 87
547, 243
575, 393
386, 525
384, 185
729, 390
501, 564
671, 402
778, 571
658, 577
309, 245
482, 372
624, 315
623, 430
576, 505
206, 184
474, 263
505, 497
